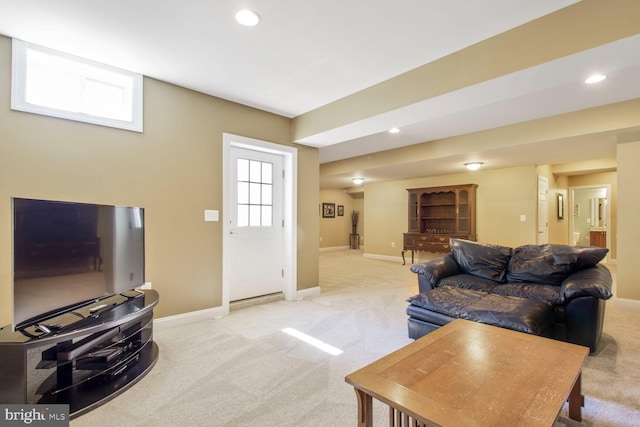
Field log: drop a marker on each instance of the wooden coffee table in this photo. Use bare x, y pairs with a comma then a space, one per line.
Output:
471, 374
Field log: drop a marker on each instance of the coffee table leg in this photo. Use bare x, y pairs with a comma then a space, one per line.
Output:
576, 400
365, 406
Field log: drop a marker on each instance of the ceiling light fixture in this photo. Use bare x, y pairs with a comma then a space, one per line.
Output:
358, 181
394, 130
473, 166
595, 78
248, 18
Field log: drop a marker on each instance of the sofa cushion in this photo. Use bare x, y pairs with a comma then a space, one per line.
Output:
481, 259
469, 281
515, 313
548, 293
550, 264
446, 300
519, 314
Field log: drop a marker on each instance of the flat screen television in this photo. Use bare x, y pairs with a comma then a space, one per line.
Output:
67, 255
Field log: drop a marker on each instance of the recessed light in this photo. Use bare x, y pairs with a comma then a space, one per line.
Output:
394, 130
248, 18
595, 78
473, 166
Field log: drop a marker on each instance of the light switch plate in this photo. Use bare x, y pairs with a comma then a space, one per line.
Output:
211, 215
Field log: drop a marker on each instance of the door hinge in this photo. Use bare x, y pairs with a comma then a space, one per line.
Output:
283, 223
282, 272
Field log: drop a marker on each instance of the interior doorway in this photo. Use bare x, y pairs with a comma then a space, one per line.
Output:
262, 243
590, 211
543, 210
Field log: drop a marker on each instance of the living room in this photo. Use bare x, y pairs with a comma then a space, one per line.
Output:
174, 169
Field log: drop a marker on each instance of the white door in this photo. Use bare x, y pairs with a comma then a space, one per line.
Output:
255, 224
543, 210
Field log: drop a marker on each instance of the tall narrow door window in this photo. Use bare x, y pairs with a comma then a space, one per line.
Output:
255, 193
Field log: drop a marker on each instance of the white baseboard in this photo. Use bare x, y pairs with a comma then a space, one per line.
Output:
306, 293
168, 322
384, 257
407, 257
633, 304
333, 248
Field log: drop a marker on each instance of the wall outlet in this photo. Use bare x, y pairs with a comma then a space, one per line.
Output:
523, 218
321, 239
393, 244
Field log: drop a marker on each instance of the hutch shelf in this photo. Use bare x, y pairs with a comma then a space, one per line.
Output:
437, 214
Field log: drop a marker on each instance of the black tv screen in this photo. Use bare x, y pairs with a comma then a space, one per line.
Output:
69, 254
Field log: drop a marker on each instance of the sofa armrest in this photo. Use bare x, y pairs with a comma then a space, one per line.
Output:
593, 281
431, 272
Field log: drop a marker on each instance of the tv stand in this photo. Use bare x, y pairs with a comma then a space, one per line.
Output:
83, 357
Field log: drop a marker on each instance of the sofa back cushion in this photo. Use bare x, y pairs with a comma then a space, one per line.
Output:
550, 264
481, 259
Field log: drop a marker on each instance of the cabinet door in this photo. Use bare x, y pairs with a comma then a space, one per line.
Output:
409, 241
463, 217
414, 222
598, 238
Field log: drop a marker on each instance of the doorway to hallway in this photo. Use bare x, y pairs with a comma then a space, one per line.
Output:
590, 213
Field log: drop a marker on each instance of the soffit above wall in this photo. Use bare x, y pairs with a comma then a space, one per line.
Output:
569, 139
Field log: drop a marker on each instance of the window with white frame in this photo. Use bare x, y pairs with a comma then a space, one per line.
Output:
60, 85
255, 193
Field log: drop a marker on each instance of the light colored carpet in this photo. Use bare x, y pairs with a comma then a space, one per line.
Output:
243, 370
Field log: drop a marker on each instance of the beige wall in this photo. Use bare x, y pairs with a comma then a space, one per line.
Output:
308, 226
334, 232
628, 153
358, 205
502, 196
173, 170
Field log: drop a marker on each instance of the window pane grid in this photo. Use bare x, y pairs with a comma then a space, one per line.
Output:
255, 193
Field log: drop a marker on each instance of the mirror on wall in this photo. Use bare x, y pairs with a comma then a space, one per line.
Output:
589, 213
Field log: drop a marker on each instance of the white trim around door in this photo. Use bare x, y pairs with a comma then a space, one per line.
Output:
290, 167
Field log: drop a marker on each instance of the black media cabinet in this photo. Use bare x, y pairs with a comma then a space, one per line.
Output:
83, 357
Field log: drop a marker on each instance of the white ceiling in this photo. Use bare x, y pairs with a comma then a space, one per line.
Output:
305, 54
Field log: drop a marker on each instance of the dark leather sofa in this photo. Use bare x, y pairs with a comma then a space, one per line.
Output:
557, 291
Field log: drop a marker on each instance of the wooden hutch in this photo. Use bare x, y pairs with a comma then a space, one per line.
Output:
437, 214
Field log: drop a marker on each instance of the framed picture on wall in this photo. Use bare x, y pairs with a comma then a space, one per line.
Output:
340, 210
328, 210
